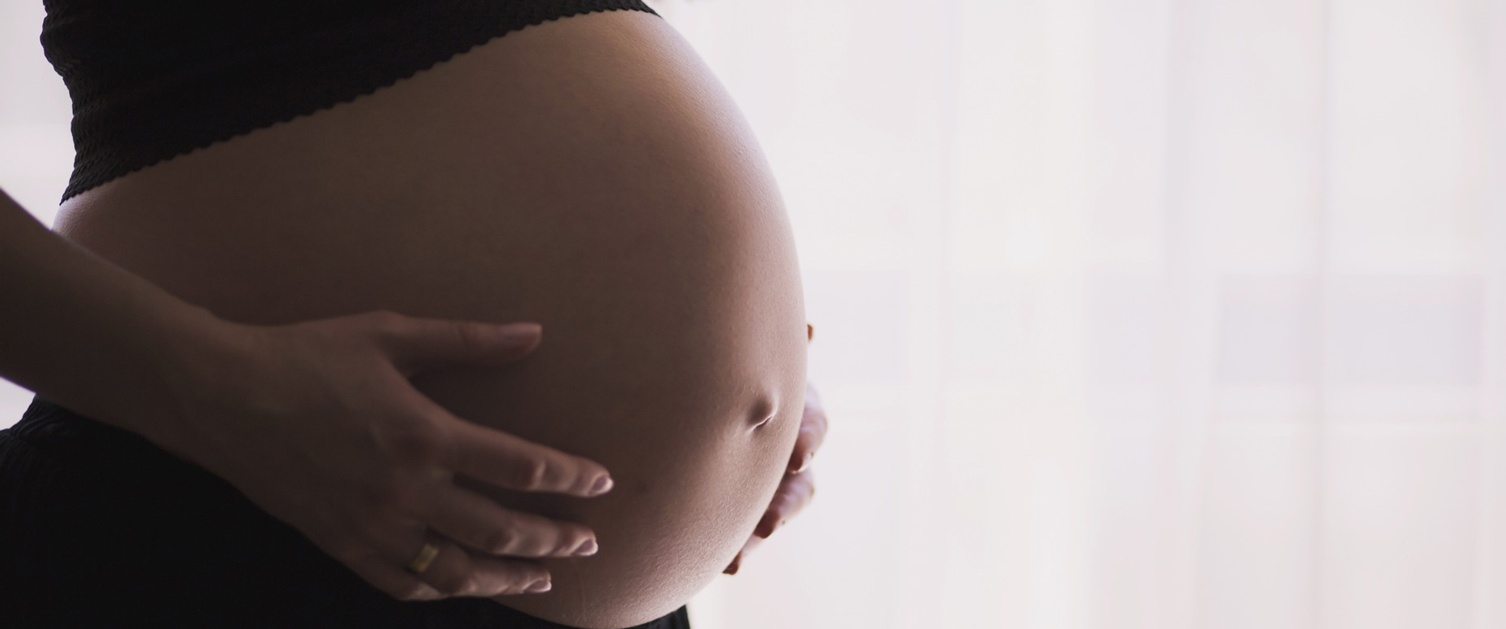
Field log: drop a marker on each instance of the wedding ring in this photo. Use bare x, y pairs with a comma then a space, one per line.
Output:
425, 557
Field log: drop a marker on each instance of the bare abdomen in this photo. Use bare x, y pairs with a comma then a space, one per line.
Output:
588, 174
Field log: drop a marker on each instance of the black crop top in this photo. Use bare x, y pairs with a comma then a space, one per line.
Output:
153, 79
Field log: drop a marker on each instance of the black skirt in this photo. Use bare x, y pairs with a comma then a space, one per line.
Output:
101, 528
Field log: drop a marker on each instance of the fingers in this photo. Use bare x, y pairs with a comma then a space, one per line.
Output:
480, 524
737, 562
793, 494
455, 572
457, 519
506, 461
510, 576
396, 582
812, 432
418, 345
798, 487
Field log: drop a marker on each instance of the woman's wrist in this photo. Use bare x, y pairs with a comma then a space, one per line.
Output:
96, 338
193, 354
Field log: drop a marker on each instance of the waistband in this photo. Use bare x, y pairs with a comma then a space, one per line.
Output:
83, 443
45, 419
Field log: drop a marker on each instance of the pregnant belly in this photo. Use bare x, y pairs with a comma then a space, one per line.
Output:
588, 174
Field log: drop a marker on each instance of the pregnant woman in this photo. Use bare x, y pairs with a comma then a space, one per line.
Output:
270, 182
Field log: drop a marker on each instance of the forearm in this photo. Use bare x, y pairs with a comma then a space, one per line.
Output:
90, 335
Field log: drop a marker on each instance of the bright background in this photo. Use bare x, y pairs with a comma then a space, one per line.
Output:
1150, 314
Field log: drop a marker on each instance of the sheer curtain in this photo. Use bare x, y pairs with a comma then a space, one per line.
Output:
36, 150
1155, 314
1152, 314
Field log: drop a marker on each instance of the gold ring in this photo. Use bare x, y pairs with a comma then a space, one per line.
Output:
425, 557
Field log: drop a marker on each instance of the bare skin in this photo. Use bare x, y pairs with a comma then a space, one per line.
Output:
588, 174
316, 422
799, 484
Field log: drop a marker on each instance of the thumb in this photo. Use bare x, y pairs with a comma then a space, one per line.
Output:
418, 345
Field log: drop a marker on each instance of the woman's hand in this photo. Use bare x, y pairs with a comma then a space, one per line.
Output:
798, 485
318, 424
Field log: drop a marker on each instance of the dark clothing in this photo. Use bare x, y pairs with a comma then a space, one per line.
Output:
152, 79
101, 528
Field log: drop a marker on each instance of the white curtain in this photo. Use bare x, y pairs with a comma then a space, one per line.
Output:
1146, 314
36, 150
1130, 314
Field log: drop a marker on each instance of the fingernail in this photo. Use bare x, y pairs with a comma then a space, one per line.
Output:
765, 527
772, 527
588, 548
539, 587
601, 486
